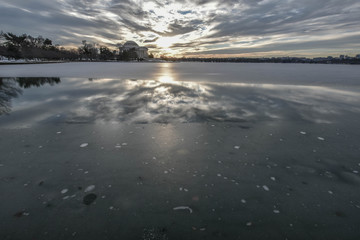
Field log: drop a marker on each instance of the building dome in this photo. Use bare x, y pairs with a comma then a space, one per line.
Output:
130, 44
141, 52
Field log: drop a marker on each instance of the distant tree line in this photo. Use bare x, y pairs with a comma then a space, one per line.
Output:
323, 60
28, 47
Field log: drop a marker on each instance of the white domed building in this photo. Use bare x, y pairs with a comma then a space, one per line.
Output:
142, 52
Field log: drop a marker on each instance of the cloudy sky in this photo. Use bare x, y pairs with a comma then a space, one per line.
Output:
194, 27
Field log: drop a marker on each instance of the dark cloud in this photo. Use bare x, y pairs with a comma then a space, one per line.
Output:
151, 40
177, 28
275, 17
151, 46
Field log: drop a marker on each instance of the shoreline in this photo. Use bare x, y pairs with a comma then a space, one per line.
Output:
22, 63
169, 61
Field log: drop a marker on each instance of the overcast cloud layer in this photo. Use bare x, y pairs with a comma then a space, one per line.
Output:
195, 28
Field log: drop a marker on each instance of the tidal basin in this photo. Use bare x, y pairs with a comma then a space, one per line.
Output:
179, 151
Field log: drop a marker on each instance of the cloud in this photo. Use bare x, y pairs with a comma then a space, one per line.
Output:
177, 28
151, 40
350, 42
216, 26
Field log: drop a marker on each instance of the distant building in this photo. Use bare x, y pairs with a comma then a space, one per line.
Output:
142, 52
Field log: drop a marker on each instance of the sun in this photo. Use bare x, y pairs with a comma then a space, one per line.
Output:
166, 42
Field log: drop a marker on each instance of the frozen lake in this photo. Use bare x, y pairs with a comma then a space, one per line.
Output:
179, 151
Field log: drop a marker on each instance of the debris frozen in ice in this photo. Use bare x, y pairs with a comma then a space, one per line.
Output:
65, 190
124, 144
186, 190
40, 146
89, 188
66, 197
266, 188
21, 213
303, 133
321, 139
1, 165
276, 211
219, 175
248, 224
84, 145
243, 200
330, 192
180, 188
89, 198
273, 178
355, 171
237, 147
166, 172
111, 208
58, 132
183, 208
202, 229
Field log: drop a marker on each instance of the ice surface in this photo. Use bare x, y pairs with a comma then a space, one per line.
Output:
308, 181
301, 74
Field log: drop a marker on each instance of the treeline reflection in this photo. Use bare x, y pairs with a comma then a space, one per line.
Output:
12, 88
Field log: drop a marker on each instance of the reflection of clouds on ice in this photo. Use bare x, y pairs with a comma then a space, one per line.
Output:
144, 101
317, 104
156, 101
170, 100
